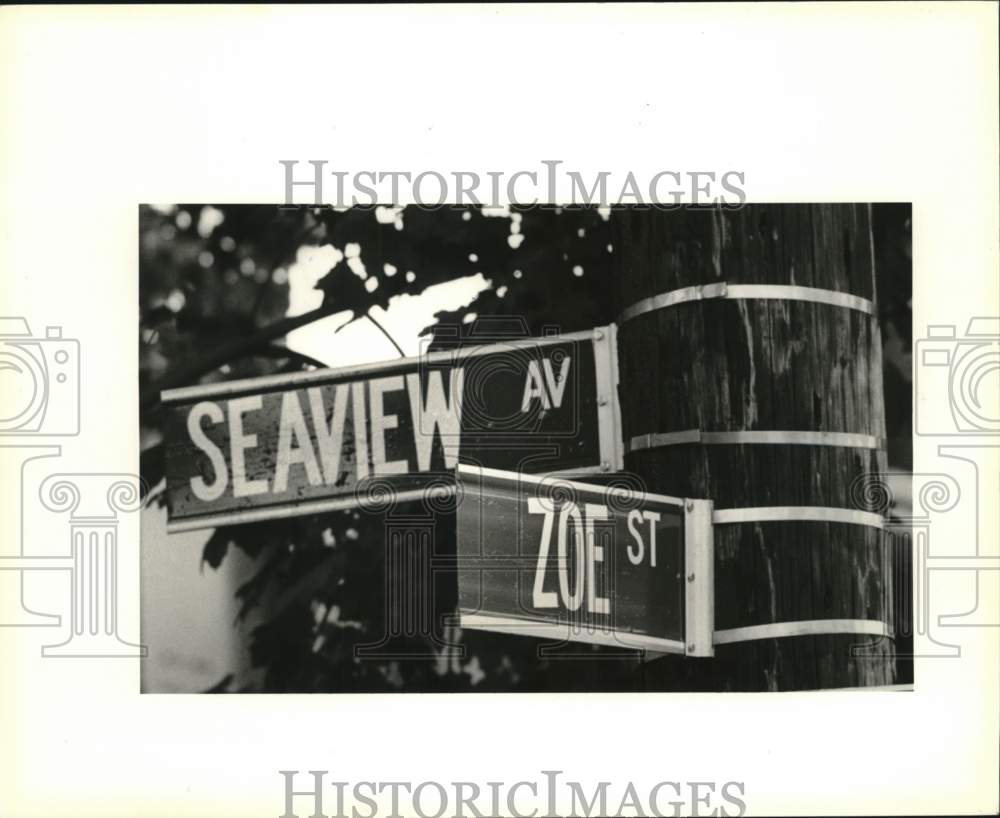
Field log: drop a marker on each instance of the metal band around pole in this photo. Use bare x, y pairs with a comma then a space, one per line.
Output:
814, 514
772, 437
812, 627
781, 292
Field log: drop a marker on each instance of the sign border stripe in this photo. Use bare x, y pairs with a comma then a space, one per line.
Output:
551, 630
699, 579
518, 477
342, 502
267, 383
609, 425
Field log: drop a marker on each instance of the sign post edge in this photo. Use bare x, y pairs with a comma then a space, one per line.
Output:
699, 580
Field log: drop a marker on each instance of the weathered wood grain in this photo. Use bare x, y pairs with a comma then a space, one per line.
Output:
722, 365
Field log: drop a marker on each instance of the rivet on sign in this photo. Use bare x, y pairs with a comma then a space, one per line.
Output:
602, 401
689, 505
690, 577
691, 647
605, 466
598, 335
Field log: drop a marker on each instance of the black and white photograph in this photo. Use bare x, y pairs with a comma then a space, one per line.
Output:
526, 449
500, 410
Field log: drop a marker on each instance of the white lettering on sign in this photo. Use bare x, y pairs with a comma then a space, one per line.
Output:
586, 554
330, 439
382, 422
549, 391
294, 444
215, 489
239, 442
360, 435
443, 415
539, 597
635, 518
316, 445
571, 512
595, 554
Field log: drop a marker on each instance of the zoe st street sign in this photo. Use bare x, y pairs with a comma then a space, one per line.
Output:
552, 558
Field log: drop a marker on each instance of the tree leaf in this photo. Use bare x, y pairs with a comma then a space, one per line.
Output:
216, 547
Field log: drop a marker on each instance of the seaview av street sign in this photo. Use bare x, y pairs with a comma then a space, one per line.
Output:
288, 445
551, 558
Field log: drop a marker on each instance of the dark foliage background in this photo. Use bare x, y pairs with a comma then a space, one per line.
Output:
213, 298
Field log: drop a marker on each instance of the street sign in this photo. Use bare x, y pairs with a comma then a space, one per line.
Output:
287, 445
551, 558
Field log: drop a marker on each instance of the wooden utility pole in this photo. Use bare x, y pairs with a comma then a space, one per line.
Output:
751, 374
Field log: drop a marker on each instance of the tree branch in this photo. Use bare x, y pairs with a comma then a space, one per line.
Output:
275, 351
385, 332
226, 352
